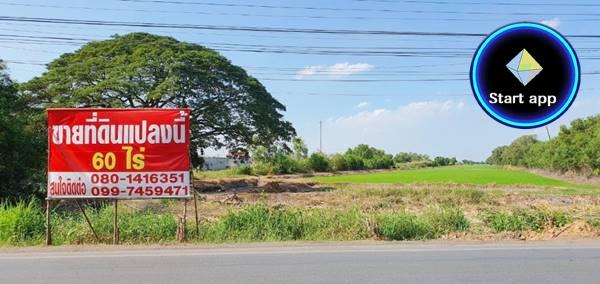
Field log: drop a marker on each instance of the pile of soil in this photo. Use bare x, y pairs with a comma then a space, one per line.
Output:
253, 185
223, 185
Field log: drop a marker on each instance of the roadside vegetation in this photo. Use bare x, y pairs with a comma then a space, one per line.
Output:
523, 220
576, 149
431, 224
344, 212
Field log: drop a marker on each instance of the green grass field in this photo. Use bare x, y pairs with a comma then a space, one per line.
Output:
476, 174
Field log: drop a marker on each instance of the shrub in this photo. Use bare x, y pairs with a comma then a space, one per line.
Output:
370, 157
443, 161
263, 168
261, 223
300, 166
22, 223
414, 165
273, 160
403, 226
318, 162
447, 219
281, 165
338, 162
243, 170
522, 220
435, 222
404, 157
354, 162
595, 223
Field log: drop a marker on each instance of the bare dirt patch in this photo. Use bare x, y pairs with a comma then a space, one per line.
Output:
569, 177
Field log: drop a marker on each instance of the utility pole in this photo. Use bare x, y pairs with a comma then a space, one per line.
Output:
321, 136
548, 131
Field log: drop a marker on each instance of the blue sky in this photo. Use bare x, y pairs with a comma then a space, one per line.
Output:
399, 103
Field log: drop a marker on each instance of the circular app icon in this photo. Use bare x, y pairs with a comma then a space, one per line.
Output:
525, 75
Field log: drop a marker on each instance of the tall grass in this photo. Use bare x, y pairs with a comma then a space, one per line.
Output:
430, 225
22, 223
134, 227
522, 220
262, 223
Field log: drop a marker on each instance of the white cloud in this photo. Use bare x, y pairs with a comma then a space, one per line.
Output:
346, 69
405, 115
553, 23
362, 105
337, 70
308, 71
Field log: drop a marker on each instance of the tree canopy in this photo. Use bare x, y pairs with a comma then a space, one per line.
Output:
22, 146
229, 108
575, 149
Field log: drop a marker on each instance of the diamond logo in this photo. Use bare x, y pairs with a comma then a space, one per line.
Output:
524, 67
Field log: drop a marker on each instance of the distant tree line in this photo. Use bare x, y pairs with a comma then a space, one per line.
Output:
576, 149
280, 160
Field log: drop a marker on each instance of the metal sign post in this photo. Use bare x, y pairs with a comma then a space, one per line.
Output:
48, 222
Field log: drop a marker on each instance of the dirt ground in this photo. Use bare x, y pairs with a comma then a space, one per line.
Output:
571, 177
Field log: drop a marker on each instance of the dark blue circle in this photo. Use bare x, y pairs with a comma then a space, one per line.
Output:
545, 117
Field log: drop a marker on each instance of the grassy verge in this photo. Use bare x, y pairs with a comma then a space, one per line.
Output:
134, 227
262, 223
526, 220
23, 224
430, 225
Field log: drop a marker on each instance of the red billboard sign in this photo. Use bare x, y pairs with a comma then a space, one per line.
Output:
118, 153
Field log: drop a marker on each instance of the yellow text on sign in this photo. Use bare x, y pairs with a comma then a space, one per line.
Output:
108, 161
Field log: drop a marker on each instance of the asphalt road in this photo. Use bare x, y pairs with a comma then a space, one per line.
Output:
563, 262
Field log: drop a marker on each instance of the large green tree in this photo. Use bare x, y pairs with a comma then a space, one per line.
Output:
230, 108
22, 145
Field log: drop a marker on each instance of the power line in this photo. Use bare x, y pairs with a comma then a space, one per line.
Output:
328, 17
231, 28
212, 33
45, 37
487, 3
364, 80
220, 44
289, 49
256, 29
400, 94
400, 67
380, 10
369, 95
23, 62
